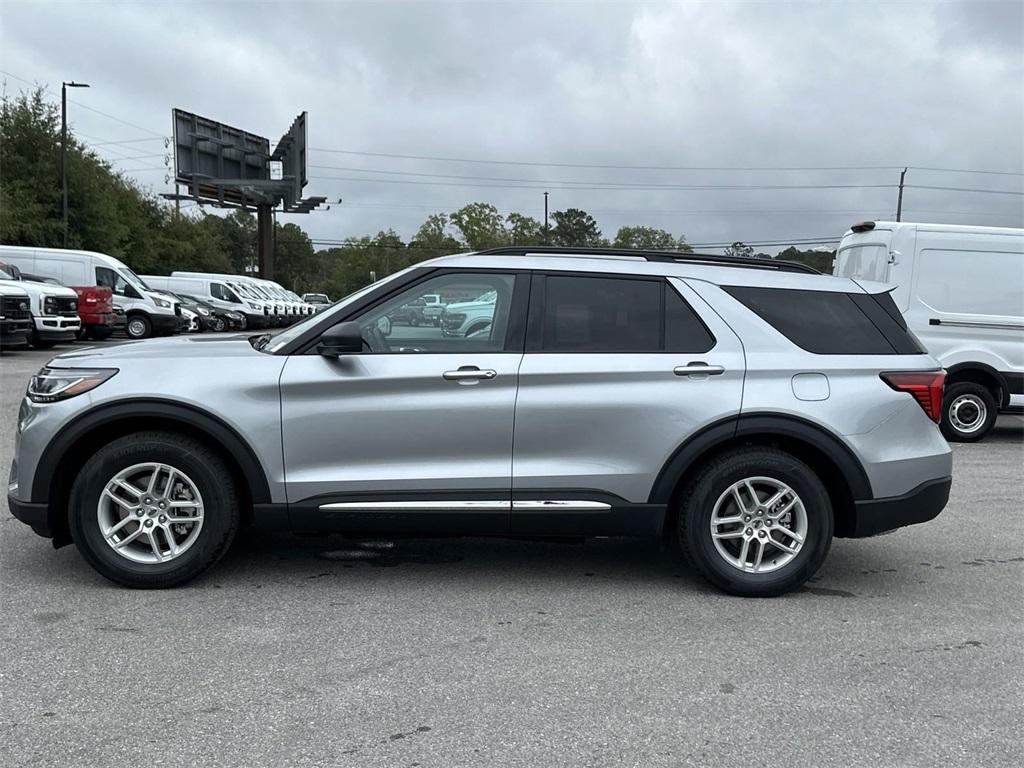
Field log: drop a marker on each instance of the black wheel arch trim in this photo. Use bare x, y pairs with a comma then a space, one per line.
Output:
196, 418
783, 425
997, 375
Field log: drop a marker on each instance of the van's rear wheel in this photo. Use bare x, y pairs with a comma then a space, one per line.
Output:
153, 509
755, 522
968, 412
138, 327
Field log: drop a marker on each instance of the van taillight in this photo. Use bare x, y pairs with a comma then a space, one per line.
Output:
925, 386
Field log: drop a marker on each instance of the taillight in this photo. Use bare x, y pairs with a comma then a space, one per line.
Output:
925, 386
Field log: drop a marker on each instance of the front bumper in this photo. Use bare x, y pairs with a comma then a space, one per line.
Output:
14, 334
34, 514
923, 503
166, 323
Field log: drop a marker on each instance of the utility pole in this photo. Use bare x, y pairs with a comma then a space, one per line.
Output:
545, 218
265, 241
64, 150
899, 199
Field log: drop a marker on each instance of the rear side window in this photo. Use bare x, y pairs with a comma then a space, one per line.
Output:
582, 313
830, 323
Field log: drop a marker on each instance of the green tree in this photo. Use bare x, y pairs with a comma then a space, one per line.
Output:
523, 230
433, 239
741, 250
649, 238
575, 228
819, 260
480, 225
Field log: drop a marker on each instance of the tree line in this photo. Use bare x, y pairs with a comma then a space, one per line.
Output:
110, 213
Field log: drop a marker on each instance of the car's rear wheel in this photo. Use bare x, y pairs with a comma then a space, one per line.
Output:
218, 324
755, 522
969, 411
153, 509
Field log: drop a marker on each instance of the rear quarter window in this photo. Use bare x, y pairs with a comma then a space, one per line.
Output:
831, 323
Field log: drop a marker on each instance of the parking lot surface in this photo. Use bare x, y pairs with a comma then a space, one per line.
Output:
906, 650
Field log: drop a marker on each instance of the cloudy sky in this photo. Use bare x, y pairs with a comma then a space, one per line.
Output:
617, 108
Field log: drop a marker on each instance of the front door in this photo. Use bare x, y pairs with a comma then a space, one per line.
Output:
416, 431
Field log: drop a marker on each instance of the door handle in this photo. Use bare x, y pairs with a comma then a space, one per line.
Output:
469, 373
698, 369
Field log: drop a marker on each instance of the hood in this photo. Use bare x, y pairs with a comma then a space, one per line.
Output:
177, 348
40, 289
12, 288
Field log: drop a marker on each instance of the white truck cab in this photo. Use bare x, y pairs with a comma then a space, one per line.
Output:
147, 312
54, 308
15, 316
961, 291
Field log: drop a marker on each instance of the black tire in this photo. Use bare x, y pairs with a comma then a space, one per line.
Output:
206, 469
138, 327
100, 334
968, 400
218, 324
697, 504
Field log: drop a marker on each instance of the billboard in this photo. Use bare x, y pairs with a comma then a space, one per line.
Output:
291, 153
218, 162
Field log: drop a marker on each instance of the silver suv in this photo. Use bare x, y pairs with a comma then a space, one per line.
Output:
749, 410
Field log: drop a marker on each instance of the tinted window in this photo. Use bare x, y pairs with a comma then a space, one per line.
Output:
598, 314
684, 331
829, 323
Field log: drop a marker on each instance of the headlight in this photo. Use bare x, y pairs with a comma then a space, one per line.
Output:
50, 305
252, 305
203, 311
53, 384
162, 303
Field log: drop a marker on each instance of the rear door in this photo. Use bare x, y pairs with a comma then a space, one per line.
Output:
618, 372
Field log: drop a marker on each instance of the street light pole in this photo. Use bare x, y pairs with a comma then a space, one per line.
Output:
64, 149
545, 218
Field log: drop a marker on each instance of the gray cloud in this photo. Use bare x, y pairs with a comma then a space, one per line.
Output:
694, 84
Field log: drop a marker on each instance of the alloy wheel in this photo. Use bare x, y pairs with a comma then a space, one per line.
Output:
150, 513
759, 524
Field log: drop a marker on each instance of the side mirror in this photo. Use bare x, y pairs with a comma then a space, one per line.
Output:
384, 325
341, 339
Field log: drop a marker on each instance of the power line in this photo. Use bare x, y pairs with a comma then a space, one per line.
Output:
588, 186
965, 170
964, 189
607, 166
131, 141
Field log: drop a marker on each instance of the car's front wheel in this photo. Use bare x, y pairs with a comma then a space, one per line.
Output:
138, 327
153, 509
755, 522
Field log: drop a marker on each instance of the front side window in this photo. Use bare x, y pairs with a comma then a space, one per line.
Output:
114, 281
475, 317
612, 314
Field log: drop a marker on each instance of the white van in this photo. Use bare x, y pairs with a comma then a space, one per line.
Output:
147, 313
215, 292
272, 314
961, 290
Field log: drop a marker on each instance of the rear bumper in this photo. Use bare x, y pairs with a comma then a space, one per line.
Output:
920, 505
98, 319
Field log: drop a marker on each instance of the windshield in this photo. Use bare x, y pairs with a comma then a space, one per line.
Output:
243, 291
136, 281
4, 274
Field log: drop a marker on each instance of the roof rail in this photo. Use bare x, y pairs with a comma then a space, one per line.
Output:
651, 255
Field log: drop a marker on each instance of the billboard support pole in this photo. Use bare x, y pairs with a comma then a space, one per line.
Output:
265, 241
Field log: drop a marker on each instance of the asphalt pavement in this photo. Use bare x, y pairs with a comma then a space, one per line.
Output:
906, 649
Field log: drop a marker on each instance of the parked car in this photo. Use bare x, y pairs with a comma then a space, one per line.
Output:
95, 308
960, 289
317, 300
54, 308
146, 313
409, 314
433, 308
15, 316
468, 317
216, 319
678, 397
216, 292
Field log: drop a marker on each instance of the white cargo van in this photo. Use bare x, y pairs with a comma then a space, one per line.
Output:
147, 313
961, 290
240, 288
215, 292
